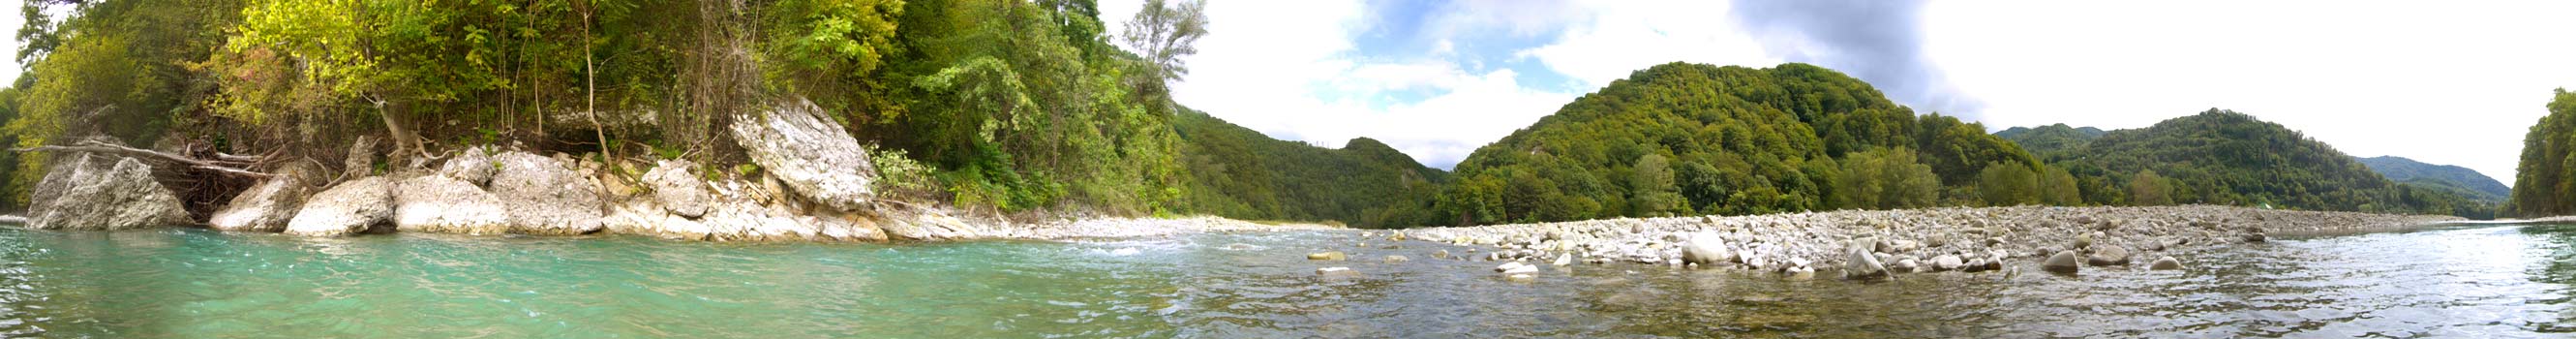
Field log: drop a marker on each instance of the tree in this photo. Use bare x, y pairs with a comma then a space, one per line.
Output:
2543, 184
1656, 195
2058, 188
2008, 184
1162, 34
2149, 189
1887, 178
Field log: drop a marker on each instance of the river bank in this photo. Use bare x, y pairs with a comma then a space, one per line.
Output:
1903, 241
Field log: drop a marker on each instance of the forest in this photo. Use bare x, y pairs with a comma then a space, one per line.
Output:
2543, 185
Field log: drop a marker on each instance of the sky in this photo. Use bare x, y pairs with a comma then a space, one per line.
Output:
2450, 82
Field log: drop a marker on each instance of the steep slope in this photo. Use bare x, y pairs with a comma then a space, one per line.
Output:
1685, 138
2225, 157
2443, 177
1239, 173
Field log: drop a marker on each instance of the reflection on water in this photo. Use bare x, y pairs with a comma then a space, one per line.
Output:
2486, 281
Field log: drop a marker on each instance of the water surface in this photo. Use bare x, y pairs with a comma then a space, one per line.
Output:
2470, 281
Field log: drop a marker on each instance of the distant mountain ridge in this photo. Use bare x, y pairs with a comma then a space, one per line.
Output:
2409, 171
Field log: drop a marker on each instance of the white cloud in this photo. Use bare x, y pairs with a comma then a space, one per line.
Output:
1623, 37
2446, 83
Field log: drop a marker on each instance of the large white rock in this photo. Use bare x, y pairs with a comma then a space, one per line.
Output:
440, 204
677, 190
348, 208
112, 197
471, 165
545, 196
1705, 249
798, 145
267, 206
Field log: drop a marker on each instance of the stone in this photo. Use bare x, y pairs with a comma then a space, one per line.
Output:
2165, 263
544, 196
440, 204
1333, 255
1947, 262
1705, 249
796, 144
1397, 259
344, 209
2083, 241
1516, 268
70, 169
2063, 262
1861, 264
1905, 265
98, 196
361, 161
471, 165
266, 206
1564, 259
677, 189
2108, 256
1442, 254
2256, 237
1334, 271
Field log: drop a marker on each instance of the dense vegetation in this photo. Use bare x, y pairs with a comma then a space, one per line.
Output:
2229, 158
1240, 173
2051, 139
1733, 140
1006, 105
2455, 179
2544, 183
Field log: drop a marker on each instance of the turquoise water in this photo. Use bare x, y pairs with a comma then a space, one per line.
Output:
2484, 281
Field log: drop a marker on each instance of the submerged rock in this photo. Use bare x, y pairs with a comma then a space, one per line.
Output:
2108, 256
348, 208
1397, 259
544, 196
1516, 268
1947, 262
2062, 262
1334, 271
2165, 263
99, 196
797, 145
267, 206
439, 204
1331, 255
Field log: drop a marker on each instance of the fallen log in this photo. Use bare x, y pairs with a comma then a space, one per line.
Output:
235, 165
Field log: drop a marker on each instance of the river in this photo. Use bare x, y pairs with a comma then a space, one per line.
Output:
2463, 281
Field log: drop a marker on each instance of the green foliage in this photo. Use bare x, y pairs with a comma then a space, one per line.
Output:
2008, 184
1888, 178
2149, 189
2059, 188
2545, 180
1657, 195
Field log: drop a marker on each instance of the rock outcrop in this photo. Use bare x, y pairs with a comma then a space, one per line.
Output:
440, 204
348, 208
472, 166
803, 149
545, 196
90, 196
267, 206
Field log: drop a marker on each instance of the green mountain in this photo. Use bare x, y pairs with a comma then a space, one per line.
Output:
1685, 138
1240, 173
2230, 158
2051, 138
2457, 179
2541, 180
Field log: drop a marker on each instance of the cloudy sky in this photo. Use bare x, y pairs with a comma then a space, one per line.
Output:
2449, 82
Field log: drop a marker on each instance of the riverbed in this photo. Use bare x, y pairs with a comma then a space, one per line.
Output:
2458, 281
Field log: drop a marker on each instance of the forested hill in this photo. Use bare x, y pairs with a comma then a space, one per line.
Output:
1685, 138
2043, 140
2225, 157
2458, 179
1240, 173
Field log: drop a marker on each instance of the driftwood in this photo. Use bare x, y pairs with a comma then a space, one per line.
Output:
228, 164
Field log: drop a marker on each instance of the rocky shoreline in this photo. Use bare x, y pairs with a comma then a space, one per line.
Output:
1870, 244
813, 182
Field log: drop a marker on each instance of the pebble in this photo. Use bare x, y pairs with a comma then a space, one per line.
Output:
2165, 263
